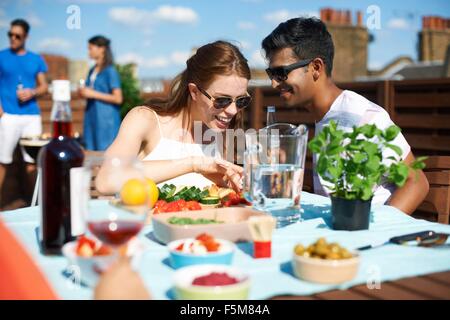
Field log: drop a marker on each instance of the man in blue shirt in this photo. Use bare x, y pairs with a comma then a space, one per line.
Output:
22, 79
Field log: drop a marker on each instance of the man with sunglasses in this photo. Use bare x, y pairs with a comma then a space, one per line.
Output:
22, 79
300, 53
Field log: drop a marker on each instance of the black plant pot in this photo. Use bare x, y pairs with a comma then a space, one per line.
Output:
350, 214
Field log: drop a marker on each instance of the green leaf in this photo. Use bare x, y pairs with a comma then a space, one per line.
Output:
366, 193
418, 164
373, 164
398, 174
322, 165
315, 145
359, 157
391, 133
395, 148
370, 148
334, 172
368, 130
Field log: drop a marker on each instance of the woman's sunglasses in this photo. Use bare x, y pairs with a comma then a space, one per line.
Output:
280, 74
15, 35
223, 102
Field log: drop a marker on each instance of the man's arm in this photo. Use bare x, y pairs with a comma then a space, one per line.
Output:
411, 195
42, 85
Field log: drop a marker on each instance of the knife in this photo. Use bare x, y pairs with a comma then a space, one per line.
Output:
424, 238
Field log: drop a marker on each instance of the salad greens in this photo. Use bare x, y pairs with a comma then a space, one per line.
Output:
184, 221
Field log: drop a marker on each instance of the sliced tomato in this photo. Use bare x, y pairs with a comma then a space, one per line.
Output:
209, 242
83, 240
193, 205
204, 237
182, 205
103, 251
173, 206
211, 246
159, 206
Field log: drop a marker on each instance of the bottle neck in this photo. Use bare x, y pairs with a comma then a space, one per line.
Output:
270, 115
61, 118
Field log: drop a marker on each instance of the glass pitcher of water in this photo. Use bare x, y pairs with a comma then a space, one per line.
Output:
274, 163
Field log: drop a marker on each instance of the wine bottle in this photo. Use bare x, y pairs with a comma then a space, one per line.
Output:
61, 171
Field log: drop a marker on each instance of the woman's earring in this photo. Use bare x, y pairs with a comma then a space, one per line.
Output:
315, 75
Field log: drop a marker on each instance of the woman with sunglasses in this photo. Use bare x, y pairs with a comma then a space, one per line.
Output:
207, 97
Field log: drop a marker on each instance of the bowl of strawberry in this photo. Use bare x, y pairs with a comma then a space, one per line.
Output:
88, 258
203, 249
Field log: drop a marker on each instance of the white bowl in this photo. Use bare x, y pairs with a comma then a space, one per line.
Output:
325, 271
185, 290
87, 270
180, 259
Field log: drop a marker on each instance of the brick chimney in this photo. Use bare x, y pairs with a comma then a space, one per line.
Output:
350, 43
434, 38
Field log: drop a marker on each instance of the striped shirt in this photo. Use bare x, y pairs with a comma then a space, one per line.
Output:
351, 109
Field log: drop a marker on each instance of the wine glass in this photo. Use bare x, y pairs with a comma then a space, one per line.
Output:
121, 217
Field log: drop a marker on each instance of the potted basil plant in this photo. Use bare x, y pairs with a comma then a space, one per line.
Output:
351, 165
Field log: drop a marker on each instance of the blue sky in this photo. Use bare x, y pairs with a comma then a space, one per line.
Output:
159, 34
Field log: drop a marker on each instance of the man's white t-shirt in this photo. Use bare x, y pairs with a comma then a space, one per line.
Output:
351, 109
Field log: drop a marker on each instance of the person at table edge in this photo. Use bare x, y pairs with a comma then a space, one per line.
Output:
309, 84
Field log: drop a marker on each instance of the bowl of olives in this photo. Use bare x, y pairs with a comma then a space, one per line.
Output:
324, 262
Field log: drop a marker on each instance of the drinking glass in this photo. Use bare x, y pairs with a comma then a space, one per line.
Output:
114, 222
274, 170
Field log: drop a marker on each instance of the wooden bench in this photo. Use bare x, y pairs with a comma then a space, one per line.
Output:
437, 201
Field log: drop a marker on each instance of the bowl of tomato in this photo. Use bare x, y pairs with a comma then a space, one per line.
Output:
203, 249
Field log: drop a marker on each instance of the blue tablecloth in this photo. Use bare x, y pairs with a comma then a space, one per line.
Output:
269, 276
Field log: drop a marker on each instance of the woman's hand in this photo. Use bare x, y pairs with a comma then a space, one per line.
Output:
87, 93
222, 172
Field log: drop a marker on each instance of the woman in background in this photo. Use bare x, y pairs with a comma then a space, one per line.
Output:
104, 96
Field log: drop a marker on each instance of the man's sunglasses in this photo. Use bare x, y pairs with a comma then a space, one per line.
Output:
280, 74
15, 35
223, 102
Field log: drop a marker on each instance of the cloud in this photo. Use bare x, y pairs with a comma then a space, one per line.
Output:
176, 14
133, 17
282, 15
257, 59
175, 58
398, 23
54, 44
243, 45
34, 20
246, 25
180, 57
375, 65
94, 1
130, 57
4, 23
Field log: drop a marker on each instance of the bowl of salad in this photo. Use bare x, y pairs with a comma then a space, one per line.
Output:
203, 249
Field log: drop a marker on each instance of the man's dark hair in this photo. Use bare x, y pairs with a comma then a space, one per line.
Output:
307, 37
21, 23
